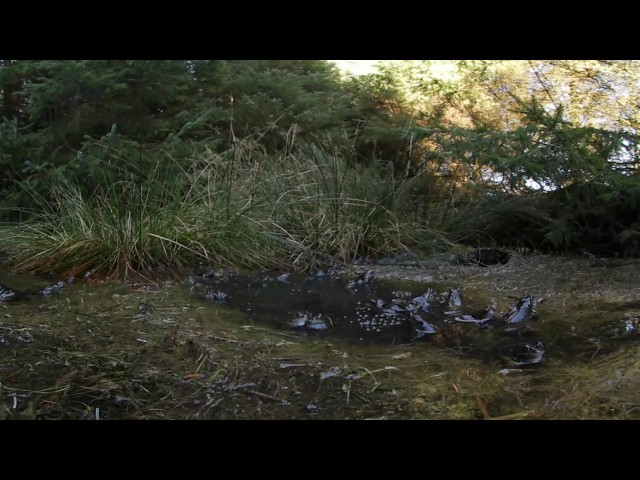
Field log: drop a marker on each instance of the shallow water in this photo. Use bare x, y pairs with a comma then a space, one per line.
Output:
122, 351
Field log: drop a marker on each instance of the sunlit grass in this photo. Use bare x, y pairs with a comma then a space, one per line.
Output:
332, 205
242, 208
133, 230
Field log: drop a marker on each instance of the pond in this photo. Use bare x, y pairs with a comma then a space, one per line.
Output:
272, 346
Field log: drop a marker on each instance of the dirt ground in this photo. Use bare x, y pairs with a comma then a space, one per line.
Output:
551, 279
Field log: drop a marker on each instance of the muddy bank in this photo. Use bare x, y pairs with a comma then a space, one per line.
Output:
544, 276
131, 351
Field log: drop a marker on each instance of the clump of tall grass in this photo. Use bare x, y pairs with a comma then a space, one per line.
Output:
139, 229
339, 207
242, 208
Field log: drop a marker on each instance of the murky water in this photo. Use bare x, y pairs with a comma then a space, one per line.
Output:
118, 351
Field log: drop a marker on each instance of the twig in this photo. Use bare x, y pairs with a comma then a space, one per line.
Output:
224, 339
264, 395
45, 391
514, 416
510, 416
483, 408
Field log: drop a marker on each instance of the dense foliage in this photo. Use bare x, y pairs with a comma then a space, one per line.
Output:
541, 154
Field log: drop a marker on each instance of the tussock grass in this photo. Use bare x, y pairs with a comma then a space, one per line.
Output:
242, 208
134, 230
332, 205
